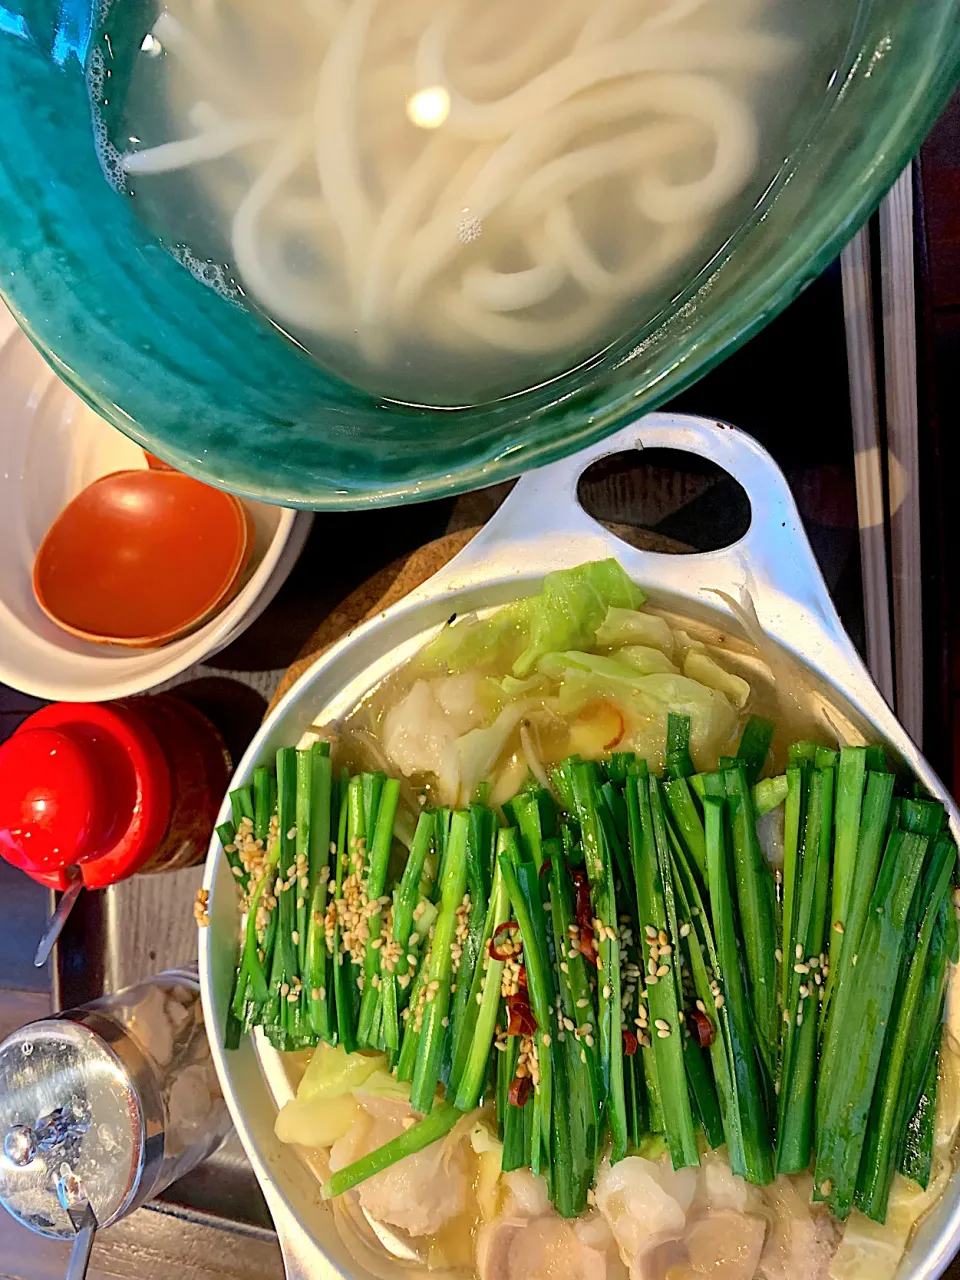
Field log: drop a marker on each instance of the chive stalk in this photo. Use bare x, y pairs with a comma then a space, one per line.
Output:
892, 1106
804, 947
477, 1027
397, 972
754, 747
756, 901
417, 1138
453, 879
369, 1025
864, 999
599, 865
317, 977
732, 995
660, 977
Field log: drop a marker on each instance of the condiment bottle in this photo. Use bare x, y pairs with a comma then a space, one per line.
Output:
91, 793
106, 1105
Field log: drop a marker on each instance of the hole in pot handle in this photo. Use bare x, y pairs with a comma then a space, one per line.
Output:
542, 526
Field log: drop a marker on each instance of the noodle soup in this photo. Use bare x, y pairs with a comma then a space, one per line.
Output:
446, 201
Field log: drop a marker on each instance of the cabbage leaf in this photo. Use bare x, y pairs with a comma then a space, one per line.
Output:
646, 661
480, 749
572, 606
645, 701
325, 1106
701, 667
489, 1151
565, 614
628, 626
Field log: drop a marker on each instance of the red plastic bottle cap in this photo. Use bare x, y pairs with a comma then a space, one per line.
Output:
82, 785
51, 807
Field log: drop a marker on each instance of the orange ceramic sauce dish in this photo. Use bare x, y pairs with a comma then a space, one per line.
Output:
140, 557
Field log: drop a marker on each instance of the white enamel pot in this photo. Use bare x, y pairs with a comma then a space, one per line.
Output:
542, 527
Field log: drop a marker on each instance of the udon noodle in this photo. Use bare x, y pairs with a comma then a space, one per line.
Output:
448, 180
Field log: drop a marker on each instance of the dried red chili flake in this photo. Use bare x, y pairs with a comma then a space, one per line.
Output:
700, 1027
588, 944
584, 910
521, 1019
519, 1092
546, 866
629, 1043
505, 943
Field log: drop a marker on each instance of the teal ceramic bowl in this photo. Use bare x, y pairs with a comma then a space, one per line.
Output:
218, 393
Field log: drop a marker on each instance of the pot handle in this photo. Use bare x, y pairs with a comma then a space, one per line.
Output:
542, 526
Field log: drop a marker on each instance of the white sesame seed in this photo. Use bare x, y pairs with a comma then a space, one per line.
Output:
663, 1035
661, 1024
799, 952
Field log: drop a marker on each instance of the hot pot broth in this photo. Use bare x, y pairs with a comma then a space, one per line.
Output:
446, 201
797, 710
543, 675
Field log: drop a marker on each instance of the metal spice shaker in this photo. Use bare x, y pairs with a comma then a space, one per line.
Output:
107, 1105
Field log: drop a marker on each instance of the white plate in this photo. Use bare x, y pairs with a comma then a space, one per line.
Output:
52, 446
